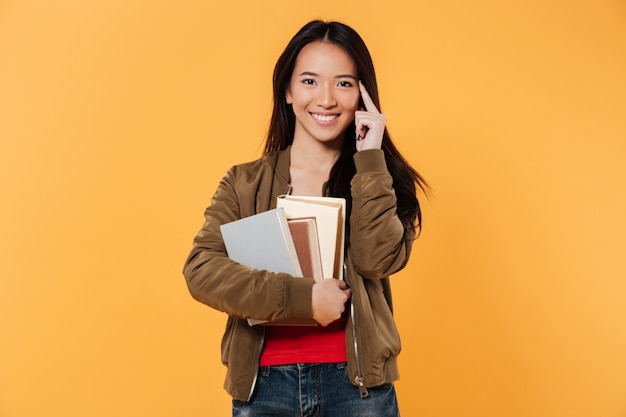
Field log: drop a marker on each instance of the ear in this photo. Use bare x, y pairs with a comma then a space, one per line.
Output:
288, 97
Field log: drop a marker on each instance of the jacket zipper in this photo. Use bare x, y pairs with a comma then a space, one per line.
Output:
359, 376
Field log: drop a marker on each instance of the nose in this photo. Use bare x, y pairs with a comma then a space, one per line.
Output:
326, 97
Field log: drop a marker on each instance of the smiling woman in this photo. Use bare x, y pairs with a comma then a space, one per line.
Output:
116, 115
324, 94
320, 144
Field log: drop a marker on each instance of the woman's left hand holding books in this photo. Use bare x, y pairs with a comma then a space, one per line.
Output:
329, 300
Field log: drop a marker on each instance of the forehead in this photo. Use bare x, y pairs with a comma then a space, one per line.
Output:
323, 57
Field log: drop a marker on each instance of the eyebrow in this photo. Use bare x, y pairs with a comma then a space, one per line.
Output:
309, 73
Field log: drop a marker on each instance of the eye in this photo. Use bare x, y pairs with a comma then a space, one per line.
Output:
308, 81
345, 84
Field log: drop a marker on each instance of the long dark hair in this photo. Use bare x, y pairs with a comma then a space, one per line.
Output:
283, 121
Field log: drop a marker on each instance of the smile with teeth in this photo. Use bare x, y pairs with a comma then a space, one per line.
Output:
324, 117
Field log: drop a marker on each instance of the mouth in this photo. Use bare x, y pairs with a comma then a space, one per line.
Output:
324, 118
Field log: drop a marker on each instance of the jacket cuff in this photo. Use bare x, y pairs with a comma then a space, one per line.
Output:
299, 297
370, 160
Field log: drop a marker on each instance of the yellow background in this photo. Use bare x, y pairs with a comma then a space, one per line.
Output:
118, 118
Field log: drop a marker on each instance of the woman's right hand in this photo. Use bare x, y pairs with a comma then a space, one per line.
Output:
329, 300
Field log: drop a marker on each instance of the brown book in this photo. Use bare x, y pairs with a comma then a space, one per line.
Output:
304, 234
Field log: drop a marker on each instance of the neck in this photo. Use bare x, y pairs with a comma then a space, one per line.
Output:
315, 156
310, 166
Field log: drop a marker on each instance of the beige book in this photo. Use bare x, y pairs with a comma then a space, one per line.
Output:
329, 214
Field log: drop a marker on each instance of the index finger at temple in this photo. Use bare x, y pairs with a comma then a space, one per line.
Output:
367, 100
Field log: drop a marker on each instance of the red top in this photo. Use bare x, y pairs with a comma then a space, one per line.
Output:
285, 345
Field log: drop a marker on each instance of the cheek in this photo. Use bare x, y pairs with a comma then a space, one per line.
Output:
298, 96
354, 102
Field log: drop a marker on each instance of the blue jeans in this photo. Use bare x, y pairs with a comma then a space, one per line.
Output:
314, 390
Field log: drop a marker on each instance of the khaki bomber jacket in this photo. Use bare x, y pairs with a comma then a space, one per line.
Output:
378, 247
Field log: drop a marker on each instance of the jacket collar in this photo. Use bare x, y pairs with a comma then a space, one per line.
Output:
282, 165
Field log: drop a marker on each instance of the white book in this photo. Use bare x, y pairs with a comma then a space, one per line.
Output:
262, 241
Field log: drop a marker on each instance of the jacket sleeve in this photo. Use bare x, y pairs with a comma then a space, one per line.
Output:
379, 245
240, 291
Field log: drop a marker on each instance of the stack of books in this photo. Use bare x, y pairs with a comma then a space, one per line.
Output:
302, 236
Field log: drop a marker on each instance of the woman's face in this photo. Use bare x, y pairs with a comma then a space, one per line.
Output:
324, 92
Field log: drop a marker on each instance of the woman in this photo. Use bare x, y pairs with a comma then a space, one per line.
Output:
326, 137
